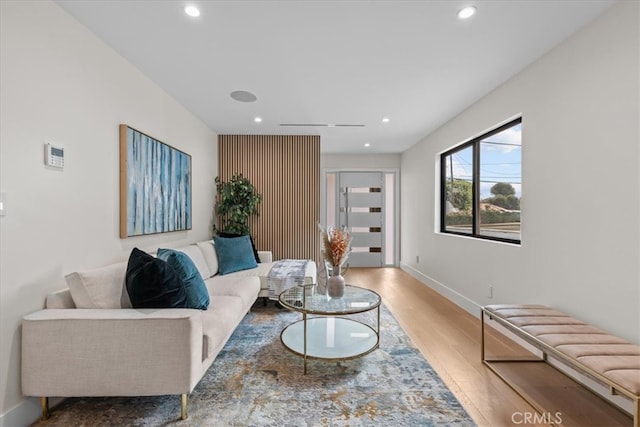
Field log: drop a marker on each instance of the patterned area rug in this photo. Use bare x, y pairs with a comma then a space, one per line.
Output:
255, 381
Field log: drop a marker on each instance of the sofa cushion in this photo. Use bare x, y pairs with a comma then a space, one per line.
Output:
261, 270
219, 322
60, 299
197, 294
211, 258
195, 253
153, 283
246, 288
234, 254
99, 287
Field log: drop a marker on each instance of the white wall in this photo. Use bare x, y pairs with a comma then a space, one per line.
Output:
360, 161
60, 83
581, 217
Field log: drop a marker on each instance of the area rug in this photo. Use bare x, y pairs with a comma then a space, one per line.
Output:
255, 381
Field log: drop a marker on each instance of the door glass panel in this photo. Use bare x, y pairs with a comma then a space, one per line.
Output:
389, 212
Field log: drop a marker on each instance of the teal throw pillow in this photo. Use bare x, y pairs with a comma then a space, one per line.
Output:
195, 288
234, 254
152, 283
253, 245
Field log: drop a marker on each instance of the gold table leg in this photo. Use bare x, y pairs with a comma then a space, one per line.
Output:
304, 319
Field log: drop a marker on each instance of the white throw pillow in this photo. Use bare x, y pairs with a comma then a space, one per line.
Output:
98, 288
209, 251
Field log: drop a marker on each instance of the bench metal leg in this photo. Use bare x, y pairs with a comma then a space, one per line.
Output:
489, 364
482, 335
532, 358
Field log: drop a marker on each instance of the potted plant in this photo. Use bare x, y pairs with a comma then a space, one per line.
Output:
236, 201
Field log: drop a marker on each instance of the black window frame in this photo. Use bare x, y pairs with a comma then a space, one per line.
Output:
475, 185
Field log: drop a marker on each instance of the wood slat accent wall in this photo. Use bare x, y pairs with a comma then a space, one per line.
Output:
285, 169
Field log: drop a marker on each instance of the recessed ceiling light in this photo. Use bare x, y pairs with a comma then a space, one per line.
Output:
467, 12
243, 96
385, 120
192, 11
366, 144
257, 119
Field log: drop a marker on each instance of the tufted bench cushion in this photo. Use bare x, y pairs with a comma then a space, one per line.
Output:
605, 357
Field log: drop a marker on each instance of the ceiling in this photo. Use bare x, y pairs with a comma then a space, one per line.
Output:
332, 62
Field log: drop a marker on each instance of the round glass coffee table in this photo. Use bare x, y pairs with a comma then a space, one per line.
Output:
324, 332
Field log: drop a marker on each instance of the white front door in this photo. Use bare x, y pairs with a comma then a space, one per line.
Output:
361, 204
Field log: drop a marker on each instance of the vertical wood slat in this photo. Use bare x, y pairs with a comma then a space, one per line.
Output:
285, 169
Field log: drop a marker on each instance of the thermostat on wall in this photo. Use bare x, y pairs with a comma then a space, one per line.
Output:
53, 155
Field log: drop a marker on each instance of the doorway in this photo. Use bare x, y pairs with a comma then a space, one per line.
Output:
364, 202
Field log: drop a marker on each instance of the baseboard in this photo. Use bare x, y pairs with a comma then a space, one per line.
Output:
26, 412
468, 305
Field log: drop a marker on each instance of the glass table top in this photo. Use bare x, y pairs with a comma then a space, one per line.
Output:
306, 299
330, 338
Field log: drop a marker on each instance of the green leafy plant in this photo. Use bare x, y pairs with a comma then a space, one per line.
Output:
236, 201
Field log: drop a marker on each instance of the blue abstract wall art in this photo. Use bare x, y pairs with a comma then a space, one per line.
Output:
155, 185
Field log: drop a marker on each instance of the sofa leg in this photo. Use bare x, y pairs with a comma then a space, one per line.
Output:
44, 404
183, 411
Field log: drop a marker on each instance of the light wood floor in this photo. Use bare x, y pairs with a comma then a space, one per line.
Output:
449, 338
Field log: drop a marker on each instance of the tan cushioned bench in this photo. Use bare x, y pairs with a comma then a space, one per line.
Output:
607, 358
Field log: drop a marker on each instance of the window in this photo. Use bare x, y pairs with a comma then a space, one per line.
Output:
481, 185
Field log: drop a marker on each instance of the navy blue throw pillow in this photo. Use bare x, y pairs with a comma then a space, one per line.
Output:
234, 254
152, 283
197, 293
253, 245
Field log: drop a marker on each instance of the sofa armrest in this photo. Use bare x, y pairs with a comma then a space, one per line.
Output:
265, 256
119, 352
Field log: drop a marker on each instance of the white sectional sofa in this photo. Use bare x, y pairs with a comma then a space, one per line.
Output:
88, 342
